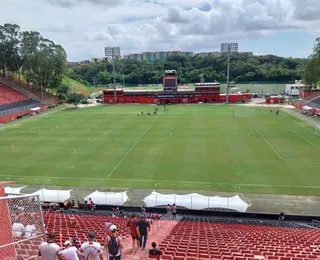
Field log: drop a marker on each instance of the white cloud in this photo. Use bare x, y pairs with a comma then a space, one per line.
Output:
84, 27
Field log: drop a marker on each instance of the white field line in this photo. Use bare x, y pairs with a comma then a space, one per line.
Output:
124, 157
3, 148
303, 138
240, 192
266, 141
115, 137
51, 177
119, 140
306, 128
249, 134
48, 180
176, 182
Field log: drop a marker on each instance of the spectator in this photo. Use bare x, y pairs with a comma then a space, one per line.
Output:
50, 250
154, 250
168, 210
134, 230
72, 203
174, 211
91, 204
70, 252
79, 205
117, 212
30, 231
143, 210
91, 250
114, 244
144, 226
17, 229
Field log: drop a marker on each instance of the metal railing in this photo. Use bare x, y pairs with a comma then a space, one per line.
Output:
17, 110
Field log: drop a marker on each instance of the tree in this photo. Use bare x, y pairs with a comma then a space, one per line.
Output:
75, 99
243, 68
41, 61
312, 70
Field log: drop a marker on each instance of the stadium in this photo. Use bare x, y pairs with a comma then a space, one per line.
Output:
219, 164
91, 169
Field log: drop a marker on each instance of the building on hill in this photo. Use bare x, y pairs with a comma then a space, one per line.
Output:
232, 46
113, 52
208, 54
157, 55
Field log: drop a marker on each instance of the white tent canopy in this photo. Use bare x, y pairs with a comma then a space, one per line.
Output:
196, 201
13, 190
111, 198
53, 195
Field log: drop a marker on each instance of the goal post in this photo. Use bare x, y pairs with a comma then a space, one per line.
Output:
317, 130
244, 112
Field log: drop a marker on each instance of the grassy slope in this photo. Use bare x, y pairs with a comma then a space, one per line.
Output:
76, 86
189, 147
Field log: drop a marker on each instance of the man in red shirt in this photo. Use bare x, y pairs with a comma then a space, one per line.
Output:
134, 230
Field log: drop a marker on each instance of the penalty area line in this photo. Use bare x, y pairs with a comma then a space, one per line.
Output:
266, 141
125, 156
303, 137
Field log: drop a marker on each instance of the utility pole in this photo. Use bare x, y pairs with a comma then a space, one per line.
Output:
202, 79
123, 82
94, 81
228, 73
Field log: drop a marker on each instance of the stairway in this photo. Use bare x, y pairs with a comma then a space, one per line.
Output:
160, 229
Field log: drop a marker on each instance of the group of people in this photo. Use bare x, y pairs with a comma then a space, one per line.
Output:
91, 250
172, 211
19, 230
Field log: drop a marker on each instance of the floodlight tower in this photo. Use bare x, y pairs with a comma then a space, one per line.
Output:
114, 82
228, 71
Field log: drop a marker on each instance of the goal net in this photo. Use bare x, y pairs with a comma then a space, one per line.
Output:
244, 112
1, 127
317, 130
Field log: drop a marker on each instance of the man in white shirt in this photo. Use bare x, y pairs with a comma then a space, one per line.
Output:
91, 250
17, 229
30, 231
50, 250
70, 252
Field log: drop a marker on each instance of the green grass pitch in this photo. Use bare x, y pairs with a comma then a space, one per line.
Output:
194, 147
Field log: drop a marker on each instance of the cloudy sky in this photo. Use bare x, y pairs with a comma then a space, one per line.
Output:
84, 27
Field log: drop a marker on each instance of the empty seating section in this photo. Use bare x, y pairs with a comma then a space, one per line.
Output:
195, 240
9, 95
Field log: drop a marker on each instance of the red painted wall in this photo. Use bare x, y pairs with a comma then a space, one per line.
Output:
195, 98
14, 116
272, 100
309, 94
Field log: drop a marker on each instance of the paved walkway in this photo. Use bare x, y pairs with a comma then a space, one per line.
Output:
159, 230
311, 120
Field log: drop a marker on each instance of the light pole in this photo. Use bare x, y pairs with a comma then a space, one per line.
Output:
114, 82
228, 73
